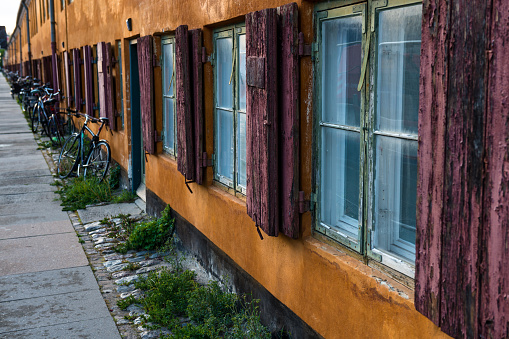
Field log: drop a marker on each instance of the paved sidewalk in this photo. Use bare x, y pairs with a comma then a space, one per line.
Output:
47, 288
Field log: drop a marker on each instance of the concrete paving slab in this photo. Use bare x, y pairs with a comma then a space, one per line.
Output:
35, 254
46, 283
96, 213
30, 217
10, 179
35, 229
88, 329
25, 173
42, 206
29, 162
22, 189
37, 313
27, 199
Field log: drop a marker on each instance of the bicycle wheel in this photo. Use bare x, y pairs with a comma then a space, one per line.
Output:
69, 156
55, 131
44, 121
35, 119
98, 162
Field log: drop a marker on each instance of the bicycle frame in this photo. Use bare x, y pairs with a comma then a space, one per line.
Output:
94, 141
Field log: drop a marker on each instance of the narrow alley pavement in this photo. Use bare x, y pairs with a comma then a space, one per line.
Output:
47, 288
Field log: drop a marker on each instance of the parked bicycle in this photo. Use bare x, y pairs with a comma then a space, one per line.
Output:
80, 153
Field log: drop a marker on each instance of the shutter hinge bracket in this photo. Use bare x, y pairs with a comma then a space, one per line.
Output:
94, 60
158, 137
155, 62
306, 205
204, 57
114, 60
205, 161
304, 49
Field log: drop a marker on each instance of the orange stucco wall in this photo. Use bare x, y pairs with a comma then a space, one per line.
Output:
336, 294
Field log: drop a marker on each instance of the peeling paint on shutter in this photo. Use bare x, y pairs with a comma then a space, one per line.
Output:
110, 114
77, 77
185, 141
262, 121
289, 123
494, 291
462, 206
145, 46
89, 81
195, 43
67, 78
101, 73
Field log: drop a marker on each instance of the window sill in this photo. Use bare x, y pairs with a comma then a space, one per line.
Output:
224, 188
395, 281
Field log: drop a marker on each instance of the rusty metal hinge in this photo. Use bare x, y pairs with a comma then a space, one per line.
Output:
155, 61
304, 49
205, 161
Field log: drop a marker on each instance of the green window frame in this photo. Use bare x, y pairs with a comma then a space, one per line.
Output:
169, 133
367, 95
229, 61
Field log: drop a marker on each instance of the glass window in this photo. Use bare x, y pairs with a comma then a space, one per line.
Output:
230, 106
368, 133
169, 101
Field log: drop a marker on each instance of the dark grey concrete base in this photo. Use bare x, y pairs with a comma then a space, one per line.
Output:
274, 314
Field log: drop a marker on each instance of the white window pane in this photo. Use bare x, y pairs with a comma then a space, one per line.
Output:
341, 70
340, 180
399, 45
242, 72
241, 149
223, 73
225, 143
395, 196
169, 127
168, 70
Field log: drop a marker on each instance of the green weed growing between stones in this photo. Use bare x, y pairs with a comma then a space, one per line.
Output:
174, 300
147, 235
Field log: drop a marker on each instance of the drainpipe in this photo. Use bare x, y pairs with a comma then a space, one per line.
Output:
53, 47
28, 39
20, 55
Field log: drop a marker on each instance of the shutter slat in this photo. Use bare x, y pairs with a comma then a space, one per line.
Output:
262, 110
89, 81
110, 114
185, 140
77, 77
145, 45
195, 36
67, 78
289, 135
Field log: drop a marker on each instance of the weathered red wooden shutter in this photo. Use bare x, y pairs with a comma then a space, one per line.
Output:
195, 43
262, 120
145, 64
67, 79
46, 66
101, 74
289, 119
110, 113
89, 81
494, 291
185, 141
462, 280
77, 77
